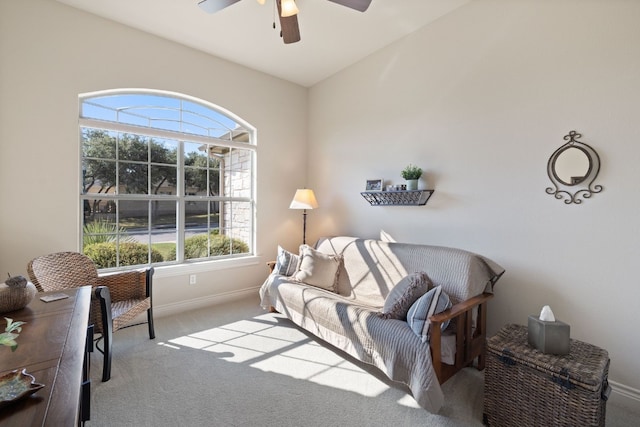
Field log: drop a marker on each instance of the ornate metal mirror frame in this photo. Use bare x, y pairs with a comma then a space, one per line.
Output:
572, 169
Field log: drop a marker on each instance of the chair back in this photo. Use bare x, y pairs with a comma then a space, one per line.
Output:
62, 270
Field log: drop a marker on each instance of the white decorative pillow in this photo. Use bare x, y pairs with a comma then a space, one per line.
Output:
286, 263
318, 269
405, 293
433, 302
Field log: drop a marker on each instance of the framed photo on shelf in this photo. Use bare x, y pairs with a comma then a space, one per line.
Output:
374, 185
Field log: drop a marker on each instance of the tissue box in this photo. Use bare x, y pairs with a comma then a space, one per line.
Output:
548, 337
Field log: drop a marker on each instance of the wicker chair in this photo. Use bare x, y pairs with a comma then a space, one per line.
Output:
117, 299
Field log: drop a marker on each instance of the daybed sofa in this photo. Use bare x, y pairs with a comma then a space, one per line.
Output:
340, 291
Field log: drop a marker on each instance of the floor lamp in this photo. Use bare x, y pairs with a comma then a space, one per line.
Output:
304, 199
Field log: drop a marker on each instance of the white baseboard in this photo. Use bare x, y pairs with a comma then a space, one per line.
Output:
202, 302
623, 395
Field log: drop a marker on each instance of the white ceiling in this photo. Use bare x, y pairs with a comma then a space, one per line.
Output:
333, 36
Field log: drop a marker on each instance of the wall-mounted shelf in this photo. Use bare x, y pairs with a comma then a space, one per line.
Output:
397, 198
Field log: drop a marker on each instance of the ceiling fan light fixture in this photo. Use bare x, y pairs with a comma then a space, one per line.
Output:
289, 8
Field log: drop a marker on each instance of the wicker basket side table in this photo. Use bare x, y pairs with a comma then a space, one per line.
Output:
525, 387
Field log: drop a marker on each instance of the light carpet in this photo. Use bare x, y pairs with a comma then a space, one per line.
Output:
236, 365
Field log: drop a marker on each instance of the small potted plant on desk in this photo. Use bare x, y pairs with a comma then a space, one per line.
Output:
412, 174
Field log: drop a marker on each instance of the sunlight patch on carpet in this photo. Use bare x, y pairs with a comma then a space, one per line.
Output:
409, 402
217, 335
265, 343
191, 342
347, 376
313, 352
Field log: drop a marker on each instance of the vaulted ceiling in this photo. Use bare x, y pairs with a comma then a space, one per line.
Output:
333, 36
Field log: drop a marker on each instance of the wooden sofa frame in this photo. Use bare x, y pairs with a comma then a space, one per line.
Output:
470, 343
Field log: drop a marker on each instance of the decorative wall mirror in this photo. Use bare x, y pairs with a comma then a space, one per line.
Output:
572, 169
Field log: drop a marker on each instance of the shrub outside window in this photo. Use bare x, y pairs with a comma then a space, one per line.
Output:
166, 179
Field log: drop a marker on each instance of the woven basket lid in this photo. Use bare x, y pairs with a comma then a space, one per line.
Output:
586, 364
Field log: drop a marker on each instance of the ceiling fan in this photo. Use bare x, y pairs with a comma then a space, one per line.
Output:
287, 12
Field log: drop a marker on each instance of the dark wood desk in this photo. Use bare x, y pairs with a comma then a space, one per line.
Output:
52, 347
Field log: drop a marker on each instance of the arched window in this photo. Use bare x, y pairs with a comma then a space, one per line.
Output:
166, 179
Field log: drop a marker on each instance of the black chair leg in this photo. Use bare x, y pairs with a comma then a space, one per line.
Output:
106, 367
152, 332
149, 279
103, 295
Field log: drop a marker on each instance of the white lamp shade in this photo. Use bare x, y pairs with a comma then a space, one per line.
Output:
289, 8
304, 199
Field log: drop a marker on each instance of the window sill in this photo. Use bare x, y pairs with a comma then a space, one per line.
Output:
204, 266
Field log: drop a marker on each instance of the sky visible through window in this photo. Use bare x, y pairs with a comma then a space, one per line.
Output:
160, 112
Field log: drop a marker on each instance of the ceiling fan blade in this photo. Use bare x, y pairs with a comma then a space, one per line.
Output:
359, 5
212, 6
289, 27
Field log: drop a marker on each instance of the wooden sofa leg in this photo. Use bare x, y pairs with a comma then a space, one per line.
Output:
481, 361
482, 332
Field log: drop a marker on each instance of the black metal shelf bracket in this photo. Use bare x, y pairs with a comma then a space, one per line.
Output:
397, 198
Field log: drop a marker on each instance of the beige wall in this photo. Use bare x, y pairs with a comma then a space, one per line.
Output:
480, 99
51, 53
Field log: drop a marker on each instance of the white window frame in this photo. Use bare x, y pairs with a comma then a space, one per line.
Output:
180, 265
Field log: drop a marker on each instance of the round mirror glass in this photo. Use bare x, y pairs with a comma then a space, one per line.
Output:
571, 166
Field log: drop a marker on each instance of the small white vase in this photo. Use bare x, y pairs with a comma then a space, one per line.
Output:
412, 184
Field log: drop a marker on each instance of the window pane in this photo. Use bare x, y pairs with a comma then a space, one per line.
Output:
192, 151
238, 173
99, 210
200, 220
195, 181
196, 166
226, 244
98, 144
201, 120
236, 223
133, 247
214, 182
92, 110
134, 217
163, 179
164, 151
98, 176
196, 246
164, 112
133, 147
133, 178
99, 222
163, 231
200, 216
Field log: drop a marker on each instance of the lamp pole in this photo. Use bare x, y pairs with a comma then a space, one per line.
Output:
304, 226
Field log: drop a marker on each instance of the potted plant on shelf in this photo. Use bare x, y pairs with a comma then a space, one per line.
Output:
412, 174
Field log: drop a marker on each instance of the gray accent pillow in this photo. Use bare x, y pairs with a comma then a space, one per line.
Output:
318, 269
286, 263
433, 302
404, 294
